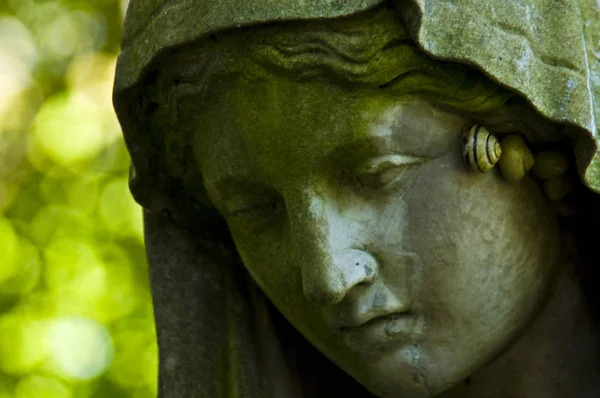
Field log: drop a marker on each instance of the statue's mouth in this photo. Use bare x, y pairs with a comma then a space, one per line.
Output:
377, 331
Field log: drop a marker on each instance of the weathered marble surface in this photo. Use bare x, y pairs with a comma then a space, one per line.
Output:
547, 50
220, 336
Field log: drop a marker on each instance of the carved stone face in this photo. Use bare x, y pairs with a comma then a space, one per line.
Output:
354, 213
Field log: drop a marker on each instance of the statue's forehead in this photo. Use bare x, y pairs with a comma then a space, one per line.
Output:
272, 131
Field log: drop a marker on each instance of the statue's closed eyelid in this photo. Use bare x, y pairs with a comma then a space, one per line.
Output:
386, 170
235, 208
256, 215
237, 205
373, 166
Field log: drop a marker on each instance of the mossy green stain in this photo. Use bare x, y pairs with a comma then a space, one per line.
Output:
262, 75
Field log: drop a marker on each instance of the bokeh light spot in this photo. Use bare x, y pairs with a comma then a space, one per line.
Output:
136, 360
9, 249
119, 212
84, 194
36, 386
80, 348
63, 33
21, 345
92, 75
67, 259
27, 271
59, 221
69, 128
72, 261
17, 58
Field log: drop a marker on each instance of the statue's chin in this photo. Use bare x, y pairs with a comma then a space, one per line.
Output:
406, 372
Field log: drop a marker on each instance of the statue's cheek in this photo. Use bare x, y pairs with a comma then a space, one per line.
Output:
484, 243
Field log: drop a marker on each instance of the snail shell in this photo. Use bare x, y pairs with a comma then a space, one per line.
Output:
550, 164
480, 149
557, 188
516, 159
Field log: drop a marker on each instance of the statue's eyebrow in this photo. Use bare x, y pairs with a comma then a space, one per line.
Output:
359, 149
349, 155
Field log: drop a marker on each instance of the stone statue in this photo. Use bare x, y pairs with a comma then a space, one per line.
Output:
367, 198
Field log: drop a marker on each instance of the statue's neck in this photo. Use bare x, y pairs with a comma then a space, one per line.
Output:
557, 356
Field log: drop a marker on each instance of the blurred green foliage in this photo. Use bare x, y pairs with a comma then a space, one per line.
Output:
75, 310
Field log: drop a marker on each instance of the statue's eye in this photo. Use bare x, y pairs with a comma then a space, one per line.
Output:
256, 215
269, 207
386, 171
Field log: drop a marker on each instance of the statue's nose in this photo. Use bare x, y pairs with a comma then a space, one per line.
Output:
328, 281
327, 247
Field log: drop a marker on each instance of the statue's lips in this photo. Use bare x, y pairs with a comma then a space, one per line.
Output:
380, 330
